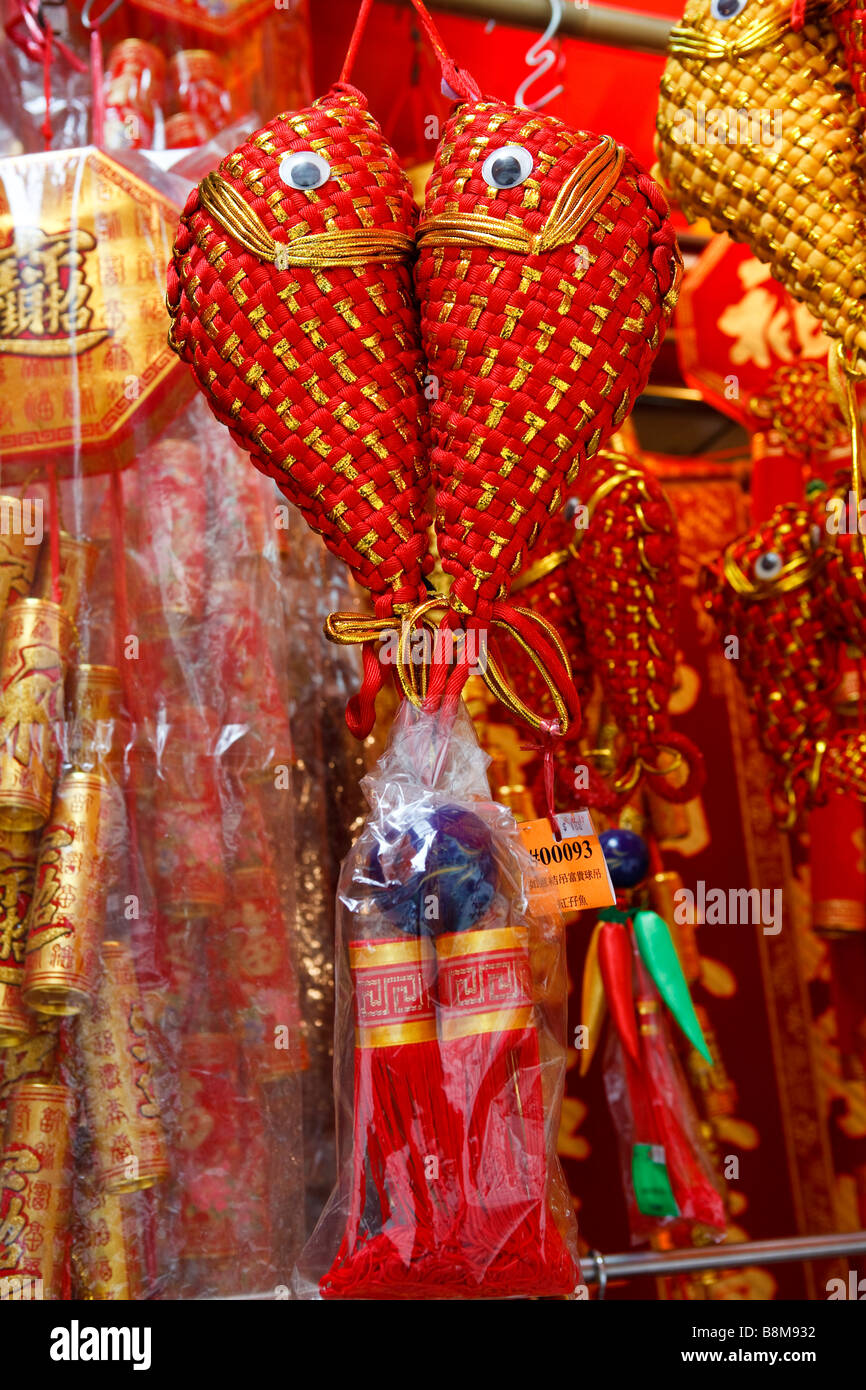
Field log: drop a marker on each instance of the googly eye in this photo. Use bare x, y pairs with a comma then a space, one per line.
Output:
768, 565
508, 167
304, 170
727, 9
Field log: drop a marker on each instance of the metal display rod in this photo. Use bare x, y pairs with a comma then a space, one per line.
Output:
597, 1268
619, 28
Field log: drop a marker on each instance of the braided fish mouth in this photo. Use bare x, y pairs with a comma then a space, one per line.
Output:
577, 202
797, 571
315, 250
687, 42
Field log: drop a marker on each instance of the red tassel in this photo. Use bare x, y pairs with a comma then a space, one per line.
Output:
492, 1075
398, 1128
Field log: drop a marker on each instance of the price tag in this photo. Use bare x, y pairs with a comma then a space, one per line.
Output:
571, 871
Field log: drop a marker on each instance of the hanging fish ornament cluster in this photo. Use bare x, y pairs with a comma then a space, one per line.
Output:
545, 272
311, 306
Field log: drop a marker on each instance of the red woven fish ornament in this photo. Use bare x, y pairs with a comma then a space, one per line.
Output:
547, 272
291, 298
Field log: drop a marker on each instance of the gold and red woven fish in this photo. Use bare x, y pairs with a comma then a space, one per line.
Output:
608, 581
793, 593
290, 294
547, 272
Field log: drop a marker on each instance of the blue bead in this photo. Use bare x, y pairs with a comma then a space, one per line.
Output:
627, 856
435, 875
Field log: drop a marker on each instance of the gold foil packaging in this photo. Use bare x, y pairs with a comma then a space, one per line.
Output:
35, 645
35, 1191
123, 1114
18, 850
69, 897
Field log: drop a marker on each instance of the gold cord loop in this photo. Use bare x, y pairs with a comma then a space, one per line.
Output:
350, 629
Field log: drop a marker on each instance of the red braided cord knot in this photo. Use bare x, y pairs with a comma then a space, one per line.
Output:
540, 323
316, 368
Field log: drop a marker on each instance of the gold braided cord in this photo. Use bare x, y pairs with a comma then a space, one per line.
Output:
317, 251
576, 204
496, 682
691, 43
349, 629
793, 575
582, 194
541, 569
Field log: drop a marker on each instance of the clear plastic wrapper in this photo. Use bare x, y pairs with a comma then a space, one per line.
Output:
449, 1048
154, 842
174, 73
667, 1176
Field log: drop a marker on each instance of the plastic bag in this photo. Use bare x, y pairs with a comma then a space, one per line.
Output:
666, 1174
450, 1056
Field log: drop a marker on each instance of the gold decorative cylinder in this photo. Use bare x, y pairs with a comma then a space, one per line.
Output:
18, 851
18, 553
107, 1255
68, 909
34, 652
670, 819
128, 1138
95, 707
77, 562
35, 1200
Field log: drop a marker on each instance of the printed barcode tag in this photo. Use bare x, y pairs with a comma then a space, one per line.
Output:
571, 873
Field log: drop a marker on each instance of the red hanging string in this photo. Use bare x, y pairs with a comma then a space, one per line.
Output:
96, 81
45, 129
33, 35
355, 42
461, 82
547, 740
